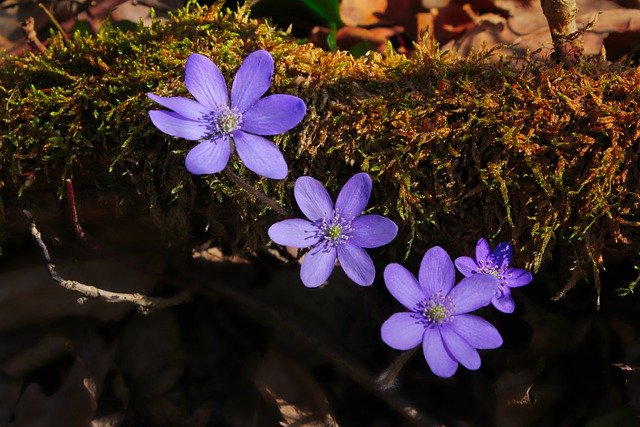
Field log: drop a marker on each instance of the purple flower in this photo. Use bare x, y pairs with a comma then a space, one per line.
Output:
496, 263
438, 316
213, 121
332, 234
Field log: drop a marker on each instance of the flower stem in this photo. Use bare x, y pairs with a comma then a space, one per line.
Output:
255, 192
388, 378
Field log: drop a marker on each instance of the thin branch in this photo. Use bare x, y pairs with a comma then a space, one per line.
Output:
152, 3
191, 282
28, 29
73, 211
144, 303
54, 20
255, 192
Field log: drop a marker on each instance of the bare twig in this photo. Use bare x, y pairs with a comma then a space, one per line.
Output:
255, 192
28, 29
567, 39
192, 282
152, 3
73, 211
54, 20
88, 11
144, 303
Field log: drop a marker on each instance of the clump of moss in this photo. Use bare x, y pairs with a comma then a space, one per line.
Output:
458, 148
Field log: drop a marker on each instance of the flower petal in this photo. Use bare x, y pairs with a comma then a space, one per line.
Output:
482, 250
403, 286
317, 266
466, 265
473, 292
176, 125
312, 198
437, 356
296, 232
260, 155
354, 196
371, 231
517, 277
187, 108
357, 264
273, 115
252, 80
476, 331
459, 348
208, 157
437, 273
402, 331
205, 82
502, 254
504, 303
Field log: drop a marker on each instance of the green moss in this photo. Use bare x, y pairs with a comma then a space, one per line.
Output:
458, 148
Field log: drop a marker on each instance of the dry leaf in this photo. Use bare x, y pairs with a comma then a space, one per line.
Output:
489, 31
459, 16
532, 384
347, 37
150, 353
214, 254
382, 13
294, 390
10, 389
362, 12
377, 12
620, 27
75, 402
618, 45
136, 11
526, 29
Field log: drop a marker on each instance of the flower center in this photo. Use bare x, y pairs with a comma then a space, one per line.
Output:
437, 313
495, 272
438, 309
489, 267
224, 120
336, 230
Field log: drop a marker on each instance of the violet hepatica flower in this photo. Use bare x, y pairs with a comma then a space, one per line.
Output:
334, 233
215, 122
438, 316
496, 263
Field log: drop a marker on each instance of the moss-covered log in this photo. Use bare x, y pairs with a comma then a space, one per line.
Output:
458, 148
